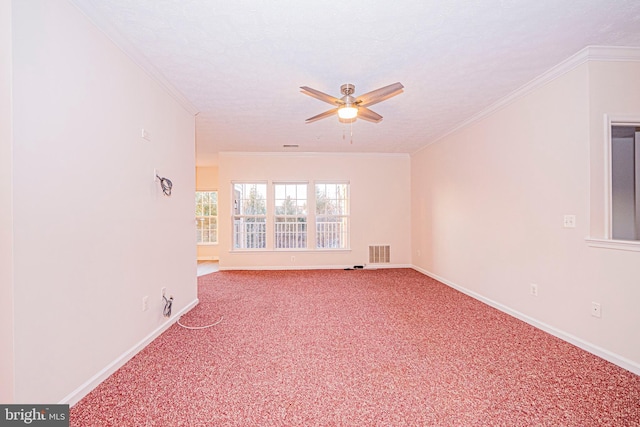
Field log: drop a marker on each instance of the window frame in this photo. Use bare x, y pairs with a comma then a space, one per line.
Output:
270, 217
607, 241
264, 217
346, 216
200, 218
286, 216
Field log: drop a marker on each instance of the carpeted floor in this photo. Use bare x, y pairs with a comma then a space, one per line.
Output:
357, 348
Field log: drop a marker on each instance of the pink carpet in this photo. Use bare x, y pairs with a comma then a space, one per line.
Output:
357, 348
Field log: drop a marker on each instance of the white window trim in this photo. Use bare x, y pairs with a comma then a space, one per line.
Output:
329, 250
311, 217
623, 245
269, 207
347, 216
607, 242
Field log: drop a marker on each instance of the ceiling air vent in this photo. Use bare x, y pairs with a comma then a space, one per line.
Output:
379, 254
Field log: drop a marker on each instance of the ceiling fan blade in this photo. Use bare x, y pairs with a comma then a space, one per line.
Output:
368, 115
322, 115
379, 95
320, 95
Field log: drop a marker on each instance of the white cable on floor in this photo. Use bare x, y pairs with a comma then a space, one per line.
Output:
200, 327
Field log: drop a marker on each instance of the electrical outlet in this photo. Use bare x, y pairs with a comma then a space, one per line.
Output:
534, 290
596, 309
163, 292
145, 302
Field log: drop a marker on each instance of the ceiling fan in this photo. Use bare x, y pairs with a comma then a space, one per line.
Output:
349, 108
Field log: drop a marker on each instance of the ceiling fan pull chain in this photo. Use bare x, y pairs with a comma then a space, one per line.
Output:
351, 131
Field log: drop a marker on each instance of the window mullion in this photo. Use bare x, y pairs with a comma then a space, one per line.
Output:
271, 221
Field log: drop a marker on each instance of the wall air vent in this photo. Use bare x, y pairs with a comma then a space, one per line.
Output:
379, 254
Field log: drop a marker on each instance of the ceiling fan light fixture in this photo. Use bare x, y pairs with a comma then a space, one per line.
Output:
347, 112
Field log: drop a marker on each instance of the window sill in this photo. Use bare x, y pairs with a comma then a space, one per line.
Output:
273, 251
622, 245
207, 244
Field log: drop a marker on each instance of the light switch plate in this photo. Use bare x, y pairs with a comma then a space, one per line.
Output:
569, 221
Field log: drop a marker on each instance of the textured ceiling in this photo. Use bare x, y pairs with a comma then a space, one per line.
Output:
241, 63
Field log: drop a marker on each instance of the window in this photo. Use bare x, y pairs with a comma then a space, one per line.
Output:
332, 215
249, 215
290, 216
289, 222
207, 216
625, 181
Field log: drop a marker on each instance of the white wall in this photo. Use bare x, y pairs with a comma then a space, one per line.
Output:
207, 180
380, 205
6, 209
488, 207
93, 233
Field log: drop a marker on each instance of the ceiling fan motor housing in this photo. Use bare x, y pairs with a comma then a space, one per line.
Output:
347, 89
347, 99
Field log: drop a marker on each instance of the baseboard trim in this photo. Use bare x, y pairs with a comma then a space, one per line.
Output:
311, 267
383, 266
607, 355
76, 395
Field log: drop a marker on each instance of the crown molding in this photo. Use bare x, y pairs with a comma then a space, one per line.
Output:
307, 154
589, 53
109, 30
613, 53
